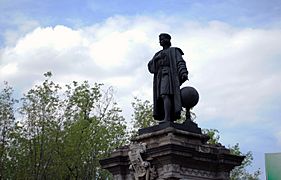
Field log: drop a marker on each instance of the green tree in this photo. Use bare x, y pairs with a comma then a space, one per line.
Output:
7, 123
142, 116
41, 119
239, 172
93, 128
63, 131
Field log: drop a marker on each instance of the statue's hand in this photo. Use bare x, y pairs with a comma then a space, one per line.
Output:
184, 77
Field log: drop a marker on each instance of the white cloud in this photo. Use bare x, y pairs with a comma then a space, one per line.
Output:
8, 69
59, 38
19, 26
236, 71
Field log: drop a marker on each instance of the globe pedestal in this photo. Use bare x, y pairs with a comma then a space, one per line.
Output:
189, 98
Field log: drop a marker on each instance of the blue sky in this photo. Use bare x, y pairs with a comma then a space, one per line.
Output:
251, 13
232, 48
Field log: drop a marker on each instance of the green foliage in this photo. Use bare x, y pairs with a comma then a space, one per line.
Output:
63, 132
239, 172
142, 116
213, 134
7, 123
41, 115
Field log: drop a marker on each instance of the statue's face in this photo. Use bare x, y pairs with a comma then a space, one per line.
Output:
164, 40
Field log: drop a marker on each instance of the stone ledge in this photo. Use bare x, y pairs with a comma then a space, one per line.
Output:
188, 126
174, 130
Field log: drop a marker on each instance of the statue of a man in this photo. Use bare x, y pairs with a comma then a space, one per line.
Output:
169, 69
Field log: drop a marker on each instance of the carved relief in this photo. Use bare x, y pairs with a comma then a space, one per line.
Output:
140, 167
204, 149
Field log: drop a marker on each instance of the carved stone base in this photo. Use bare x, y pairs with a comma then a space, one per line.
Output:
175, 154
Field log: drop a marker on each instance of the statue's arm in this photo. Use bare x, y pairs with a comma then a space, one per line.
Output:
151, 67
151, 63
181, 66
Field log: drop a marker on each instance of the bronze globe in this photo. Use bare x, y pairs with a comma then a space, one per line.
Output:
189, 97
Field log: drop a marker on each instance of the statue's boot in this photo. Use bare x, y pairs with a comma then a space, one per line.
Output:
165, 120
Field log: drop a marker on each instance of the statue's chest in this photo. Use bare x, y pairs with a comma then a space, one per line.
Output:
164, 60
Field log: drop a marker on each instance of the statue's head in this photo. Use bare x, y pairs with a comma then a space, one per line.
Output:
165, 39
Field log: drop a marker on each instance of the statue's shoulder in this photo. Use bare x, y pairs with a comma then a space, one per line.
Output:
178, 49
158, 52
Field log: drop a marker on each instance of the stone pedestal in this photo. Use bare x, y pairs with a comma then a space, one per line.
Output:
173, 152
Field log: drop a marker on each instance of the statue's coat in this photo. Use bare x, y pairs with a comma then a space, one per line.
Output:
176, 70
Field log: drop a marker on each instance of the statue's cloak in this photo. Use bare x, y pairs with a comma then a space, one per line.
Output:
177, 69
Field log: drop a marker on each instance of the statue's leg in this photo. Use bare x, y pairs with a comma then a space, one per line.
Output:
167, 107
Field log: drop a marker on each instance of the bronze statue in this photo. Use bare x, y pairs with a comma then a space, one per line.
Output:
169, 69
